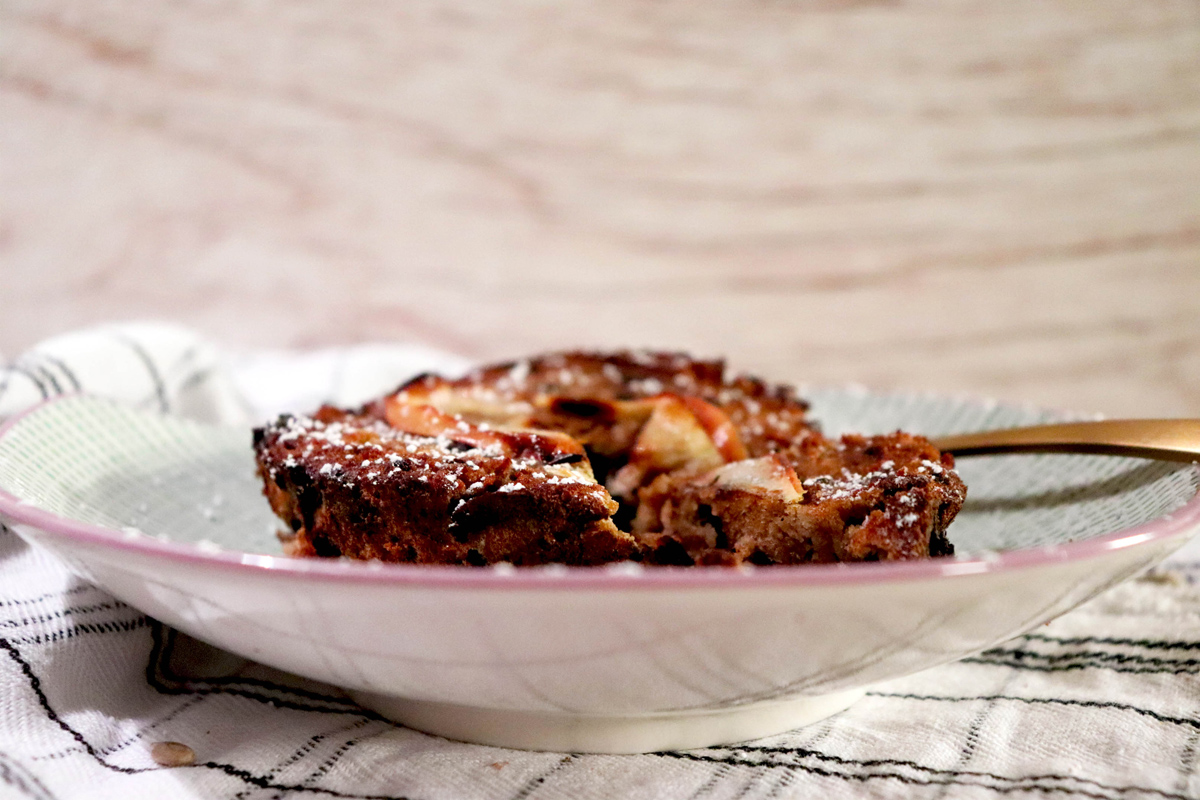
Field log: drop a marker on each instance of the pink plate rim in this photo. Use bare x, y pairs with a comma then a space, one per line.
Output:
612, 577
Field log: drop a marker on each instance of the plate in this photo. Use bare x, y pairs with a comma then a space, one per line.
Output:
167, 515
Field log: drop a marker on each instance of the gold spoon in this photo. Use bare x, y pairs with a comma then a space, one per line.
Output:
1166, 439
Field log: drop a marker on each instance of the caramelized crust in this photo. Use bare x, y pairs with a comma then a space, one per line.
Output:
539, 461
351, 485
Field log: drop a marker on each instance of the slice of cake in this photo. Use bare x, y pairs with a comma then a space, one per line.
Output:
581, 458
351, 485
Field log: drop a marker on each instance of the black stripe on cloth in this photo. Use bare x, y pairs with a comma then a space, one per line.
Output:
719, 773
250, 778
1147, 644
872, 763
15, 776
159, 668
49, 377
63, 613
328, 763
344, 748
114, 626
971, 740
28, 373
747, 786
535, 783
160, 389
128, 740
1088, 659
266, 699
1184, 765
35, 684
64, 370
1033, 783
1183, 721
41, 598
296, 756
785, 780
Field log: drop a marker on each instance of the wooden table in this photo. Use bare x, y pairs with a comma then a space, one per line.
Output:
998, 198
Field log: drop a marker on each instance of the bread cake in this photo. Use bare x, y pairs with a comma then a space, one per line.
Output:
589, 458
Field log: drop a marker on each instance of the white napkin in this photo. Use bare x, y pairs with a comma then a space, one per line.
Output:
149, 365
1102, 703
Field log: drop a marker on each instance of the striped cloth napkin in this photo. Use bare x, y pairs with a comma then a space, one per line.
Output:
1102, 703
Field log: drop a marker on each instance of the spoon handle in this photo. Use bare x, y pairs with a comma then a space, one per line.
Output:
1166, 439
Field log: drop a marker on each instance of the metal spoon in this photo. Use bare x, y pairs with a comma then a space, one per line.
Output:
1166, 439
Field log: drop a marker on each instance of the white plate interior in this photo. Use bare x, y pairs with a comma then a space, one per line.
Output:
99, 462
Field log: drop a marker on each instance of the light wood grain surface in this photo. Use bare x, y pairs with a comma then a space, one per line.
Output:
998, 198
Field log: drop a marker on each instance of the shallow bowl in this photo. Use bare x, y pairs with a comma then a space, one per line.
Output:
168, 516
